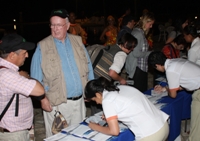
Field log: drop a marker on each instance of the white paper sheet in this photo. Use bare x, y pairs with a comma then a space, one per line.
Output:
56, 137
160, 105
101, 137
70, 128
154, 99
96, 119
82, 130
161, 94
161, 79
73, 138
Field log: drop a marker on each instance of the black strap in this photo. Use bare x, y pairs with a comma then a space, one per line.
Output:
7, 106
9, 103
17, 105
97, 58
101, 52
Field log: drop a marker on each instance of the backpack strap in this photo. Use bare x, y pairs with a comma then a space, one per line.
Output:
100, 54
9, 103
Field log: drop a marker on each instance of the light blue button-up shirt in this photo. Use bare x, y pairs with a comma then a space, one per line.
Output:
69, 67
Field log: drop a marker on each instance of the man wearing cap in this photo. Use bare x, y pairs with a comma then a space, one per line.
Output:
62, 65
18, 118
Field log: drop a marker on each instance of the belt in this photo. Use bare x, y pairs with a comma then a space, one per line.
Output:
74, 98
3, 130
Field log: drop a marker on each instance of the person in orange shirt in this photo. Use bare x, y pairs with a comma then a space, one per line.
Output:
76, 28
109, 35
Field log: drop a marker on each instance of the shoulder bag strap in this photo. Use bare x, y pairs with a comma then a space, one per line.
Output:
7, 106
9, 103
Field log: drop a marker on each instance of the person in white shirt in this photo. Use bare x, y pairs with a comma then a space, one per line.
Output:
126, 44
181, 74
191, 35
131, 107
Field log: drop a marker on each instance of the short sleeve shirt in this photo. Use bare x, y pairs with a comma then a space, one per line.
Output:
181, 72
194, 51
131, 107
11, 82
118, 62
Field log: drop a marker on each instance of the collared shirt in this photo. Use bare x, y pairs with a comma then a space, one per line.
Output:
194, 51
11, 82
69, 67
181, 72
132, 108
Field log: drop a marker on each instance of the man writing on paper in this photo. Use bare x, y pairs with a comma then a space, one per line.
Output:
181, 74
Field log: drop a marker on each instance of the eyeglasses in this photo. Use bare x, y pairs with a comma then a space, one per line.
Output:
58, 26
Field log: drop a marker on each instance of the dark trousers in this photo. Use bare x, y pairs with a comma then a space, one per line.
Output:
140, 79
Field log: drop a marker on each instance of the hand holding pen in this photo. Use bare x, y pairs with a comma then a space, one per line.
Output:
159, 89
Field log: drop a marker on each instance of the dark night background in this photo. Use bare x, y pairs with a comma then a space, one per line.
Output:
32, 16
33, 11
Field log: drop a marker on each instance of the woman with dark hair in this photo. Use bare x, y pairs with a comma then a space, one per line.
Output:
172, 50
180, 23
131, 107
191, 35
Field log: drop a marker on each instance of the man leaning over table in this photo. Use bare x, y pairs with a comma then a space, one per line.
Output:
181, 74
17, 120
62, 64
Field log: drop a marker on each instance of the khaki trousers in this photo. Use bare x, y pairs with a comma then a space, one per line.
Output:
15, 136
73, 111
161, 135
195, 117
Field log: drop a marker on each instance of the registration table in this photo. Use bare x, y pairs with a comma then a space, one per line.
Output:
177, 108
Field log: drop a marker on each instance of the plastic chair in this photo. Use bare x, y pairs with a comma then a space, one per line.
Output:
162, 32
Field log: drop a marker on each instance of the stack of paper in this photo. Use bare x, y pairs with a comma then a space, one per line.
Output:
161, 79
96, 119
56, 137
159, 94
160, 105
101, 137
84, 131
72, 138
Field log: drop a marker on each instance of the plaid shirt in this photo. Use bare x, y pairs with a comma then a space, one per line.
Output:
142, 62
11, 82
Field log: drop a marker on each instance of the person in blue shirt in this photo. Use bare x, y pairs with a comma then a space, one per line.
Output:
62, 64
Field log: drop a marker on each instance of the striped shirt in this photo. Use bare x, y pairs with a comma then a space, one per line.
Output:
11, 82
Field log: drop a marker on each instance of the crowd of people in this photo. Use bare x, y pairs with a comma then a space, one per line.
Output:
62, 78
